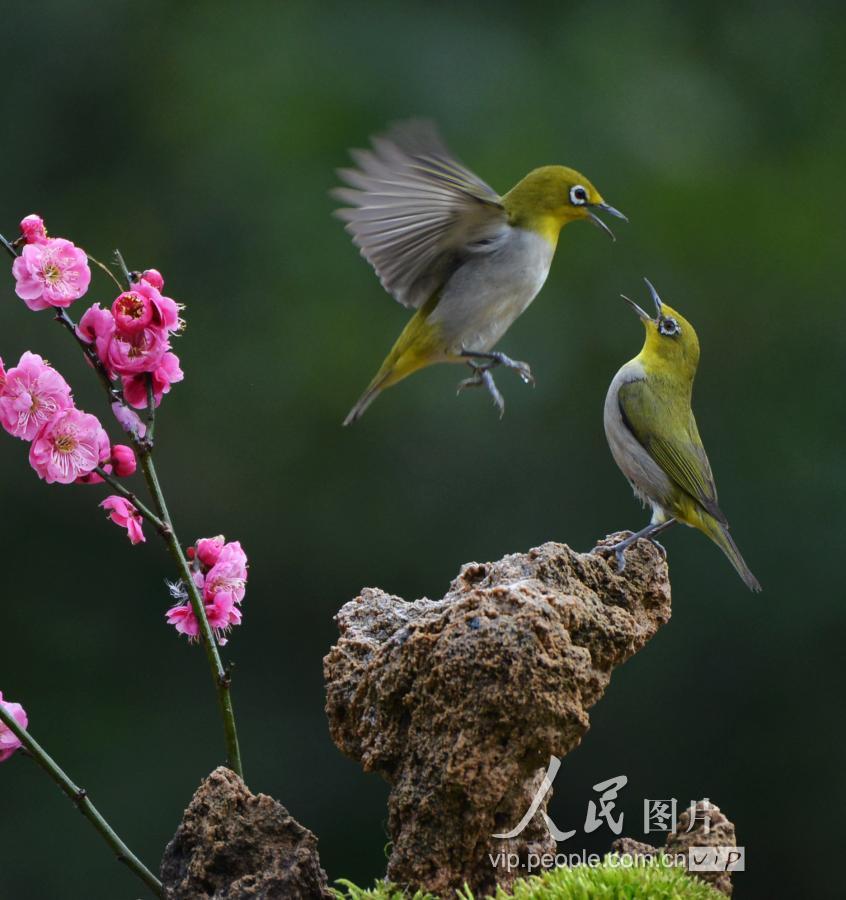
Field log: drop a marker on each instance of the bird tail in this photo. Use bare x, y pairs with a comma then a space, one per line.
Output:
719, 534
415, 348
373, 390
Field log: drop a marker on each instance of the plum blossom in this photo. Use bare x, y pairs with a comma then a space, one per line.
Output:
52, 272
132, 340
154, 278
129, 420
123, 460
9, 741
97, 326
33, 230
208, 550
166, 374
133, 310
220, 574
222, 614
228, 575
124, 514
131, 354
32, 393
69, 446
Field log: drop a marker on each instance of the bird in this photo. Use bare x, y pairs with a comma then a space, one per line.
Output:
445, 244
652, 433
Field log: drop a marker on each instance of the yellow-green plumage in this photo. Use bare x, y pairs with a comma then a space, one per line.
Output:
446, 244
653, 434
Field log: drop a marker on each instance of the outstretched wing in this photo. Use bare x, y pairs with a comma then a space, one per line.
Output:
415, 211
666, 429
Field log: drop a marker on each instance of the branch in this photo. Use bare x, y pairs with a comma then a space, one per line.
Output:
9, 248
80, 799
146, 513
222, 678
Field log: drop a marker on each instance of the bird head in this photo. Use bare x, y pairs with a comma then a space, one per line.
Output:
671, 343
550, 197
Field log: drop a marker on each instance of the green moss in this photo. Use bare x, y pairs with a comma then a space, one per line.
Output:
651, 881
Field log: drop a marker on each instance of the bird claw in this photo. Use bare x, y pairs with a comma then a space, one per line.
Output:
523, 369
483, 378
618, 550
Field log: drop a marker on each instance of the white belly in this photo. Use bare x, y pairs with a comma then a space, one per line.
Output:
488, 292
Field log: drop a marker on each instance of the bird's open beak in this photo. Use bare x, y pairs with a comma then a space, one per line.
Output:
639, 310
599, 223
642, 312
655, 298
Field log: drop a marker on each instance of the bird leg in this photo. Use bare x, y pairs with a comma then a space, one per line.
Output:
648, 533
500, 359
483, 378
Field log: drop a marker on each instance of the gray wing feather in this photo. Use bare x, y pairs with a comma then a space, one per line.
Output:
415, 212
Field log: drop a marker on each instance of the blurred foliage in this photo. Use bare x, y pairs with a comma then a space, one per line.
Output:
201, 138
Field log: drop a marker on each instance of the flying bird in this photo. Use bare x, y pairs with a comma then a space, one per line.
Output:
446, 245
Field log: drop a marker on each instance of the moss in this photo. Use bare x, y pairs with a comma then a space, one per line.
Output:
650, 881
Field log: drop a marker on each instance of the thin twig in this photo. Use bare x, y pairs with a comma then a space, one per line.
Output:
114, 392
150, 516
222, 679
106, 269
8, 247
124, 268
80, 799
151, 410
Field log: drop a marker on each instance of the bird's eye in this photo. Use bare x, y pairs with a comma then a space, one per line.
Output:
669, 326
578, 195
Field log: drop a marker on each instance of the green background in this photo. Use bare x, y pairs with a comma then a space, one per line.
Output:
202, 140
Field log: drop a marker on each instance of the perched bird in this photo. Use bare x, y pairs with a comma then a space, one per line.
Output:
447, 245
654, 440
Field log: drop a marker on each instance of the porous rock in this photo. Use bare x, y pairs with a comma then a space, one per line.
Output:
460, 702
234, 844
701, 825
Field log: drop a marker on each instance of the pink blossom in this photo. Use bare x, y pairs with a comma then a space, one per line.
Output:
123, 513
133, 310
228, 575
33, 230
97, 326
9, 741
51, 273
123, 460
166, 374
222, 614
105, 451
154, 278
129, 421
208, 549
69, 446
2, 374
32, 394
132, 354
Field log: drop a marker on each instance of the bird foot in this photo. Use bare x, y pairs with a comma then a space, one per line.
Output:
496, 358
483, 378
523, 369
619, 551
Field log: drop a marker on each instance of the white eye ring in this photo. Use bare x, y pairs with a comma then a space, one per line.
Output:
578, 195
669, 326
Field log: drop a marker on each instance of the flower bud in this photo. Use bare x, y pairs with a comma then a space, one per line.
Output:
123, 460
208, 549
33, 230
153, 277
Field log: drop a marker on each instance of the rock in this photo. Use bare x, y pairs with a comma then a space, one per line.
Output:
710, 829
233, 844
459, 703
